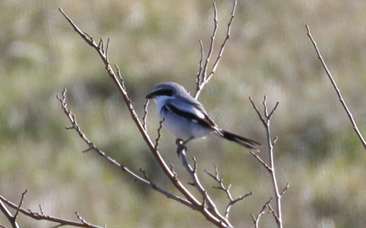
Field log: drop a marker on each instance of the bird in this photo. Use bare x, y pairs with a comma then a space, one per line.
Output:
185, 118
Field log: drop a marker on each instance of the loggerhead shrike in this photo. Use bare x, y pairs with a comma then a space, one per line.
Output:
186, 119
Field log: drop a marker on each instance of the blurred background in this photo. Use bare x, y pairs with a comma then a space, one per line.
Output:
155, 41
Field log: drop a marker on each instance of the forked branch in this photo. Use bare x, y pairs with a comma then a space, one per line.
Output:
261, 212
207, 201
277, 214
12, 218
220, 181
202, 77
42, 216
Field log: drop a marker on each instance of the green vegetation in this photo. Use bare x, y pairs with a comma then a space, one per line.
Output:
154, 41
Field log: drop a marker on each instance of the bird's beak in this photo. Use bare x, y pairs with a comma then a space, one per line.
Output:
151, 95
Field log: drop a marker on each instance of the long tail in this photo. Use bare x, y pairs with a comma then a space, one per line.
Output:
245, 142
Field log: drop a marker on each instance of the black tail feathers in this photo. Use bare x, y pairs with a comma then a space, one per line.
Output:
245, 142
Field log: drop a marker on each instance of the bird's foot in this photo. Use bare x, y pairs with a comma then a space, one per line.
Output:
181, 148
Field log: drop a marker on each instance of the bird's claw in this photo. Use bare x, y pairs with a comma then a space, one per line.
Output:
181, 148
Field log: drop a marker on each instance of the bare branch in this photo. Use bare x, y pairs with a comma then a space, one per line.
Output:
256, 109
20, 204
265, 109
12, 218
122, 82
106, 50
152, 184
83, 220
285, 189
91, 146
204, 78
270, 167
199, 73
41, 209
209, 54
278, 220
8, 215
42, 216
261, 212
211, 207
214, 67
350, 116
261, 161
145, 114
274, 109
221, 186
159, 134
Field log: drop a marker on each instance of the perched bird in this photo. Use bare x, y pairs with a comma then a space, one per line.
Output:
185, 117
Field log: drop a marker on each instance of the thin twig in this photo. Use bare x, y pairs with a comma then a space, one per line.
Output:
256, 109
145, 114
285, 189
221, 186
209, 54
278, 220
350, 116
121, 80
153, 185
41, 209
200, 68
261, 212
261, 161
159, 134
204, 78
19, 205
274, 109
228, 34
42, 216
8, 215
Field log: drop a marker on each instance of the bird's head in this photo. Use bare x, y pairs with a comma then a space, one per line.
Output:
166, 91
